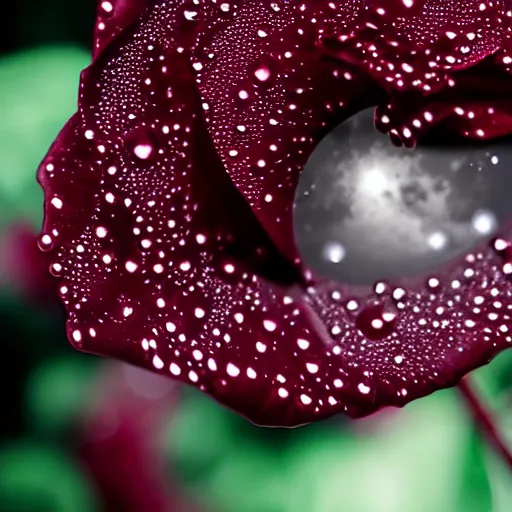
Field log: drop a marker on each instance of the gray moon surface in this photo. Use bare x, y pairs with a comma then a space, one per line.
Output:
366, 210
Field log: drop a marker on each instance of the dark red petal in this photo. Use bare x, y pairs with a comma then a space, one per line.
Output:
429, 50
163, 262
479, 107
112, 18
503, 57
157, 251
269, 97
418, 48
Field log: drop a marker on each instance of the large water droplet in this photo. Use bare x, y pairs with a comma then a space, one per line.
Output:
106, 9
189, 9
45, 242
142, 143
262, 71
143, 151
367, 210
377, 322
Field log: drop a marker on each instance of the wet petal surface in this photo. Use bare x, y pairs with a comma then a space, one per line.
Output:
169, 213
113, 16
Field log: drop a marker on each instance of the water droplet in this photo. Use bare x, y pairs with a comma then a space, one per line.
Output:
376, 321
142, 143
107, 9
45, 242
262, 73
143, 151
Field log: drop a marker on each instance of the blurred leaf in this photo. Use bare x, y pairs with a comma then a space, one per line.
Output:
195, 449
413, 463
500, 474
38, 91
475, 492
196, 452
494, 383
248, 480
501, 485
497, 376
28, 335
35, 478
56, 392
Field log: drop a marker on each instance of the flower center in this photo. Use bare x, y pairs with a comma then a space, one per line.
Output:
366, 210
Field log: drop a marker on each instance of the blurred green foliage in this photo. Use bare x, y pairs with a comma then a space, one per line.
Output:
56, 392
39, 478
37, 95
422, 459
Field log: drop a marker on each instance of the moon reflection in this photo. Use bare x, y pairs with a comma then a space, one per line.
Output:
366, 210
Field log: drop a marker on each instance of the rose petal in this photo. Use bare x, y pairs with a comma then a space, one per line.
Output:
152, 263
269, 98
417, 48
421, 49
478, 107
112, 18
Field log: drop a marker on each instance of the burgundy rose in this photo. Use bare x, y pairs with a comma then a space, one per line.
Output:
169, 195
